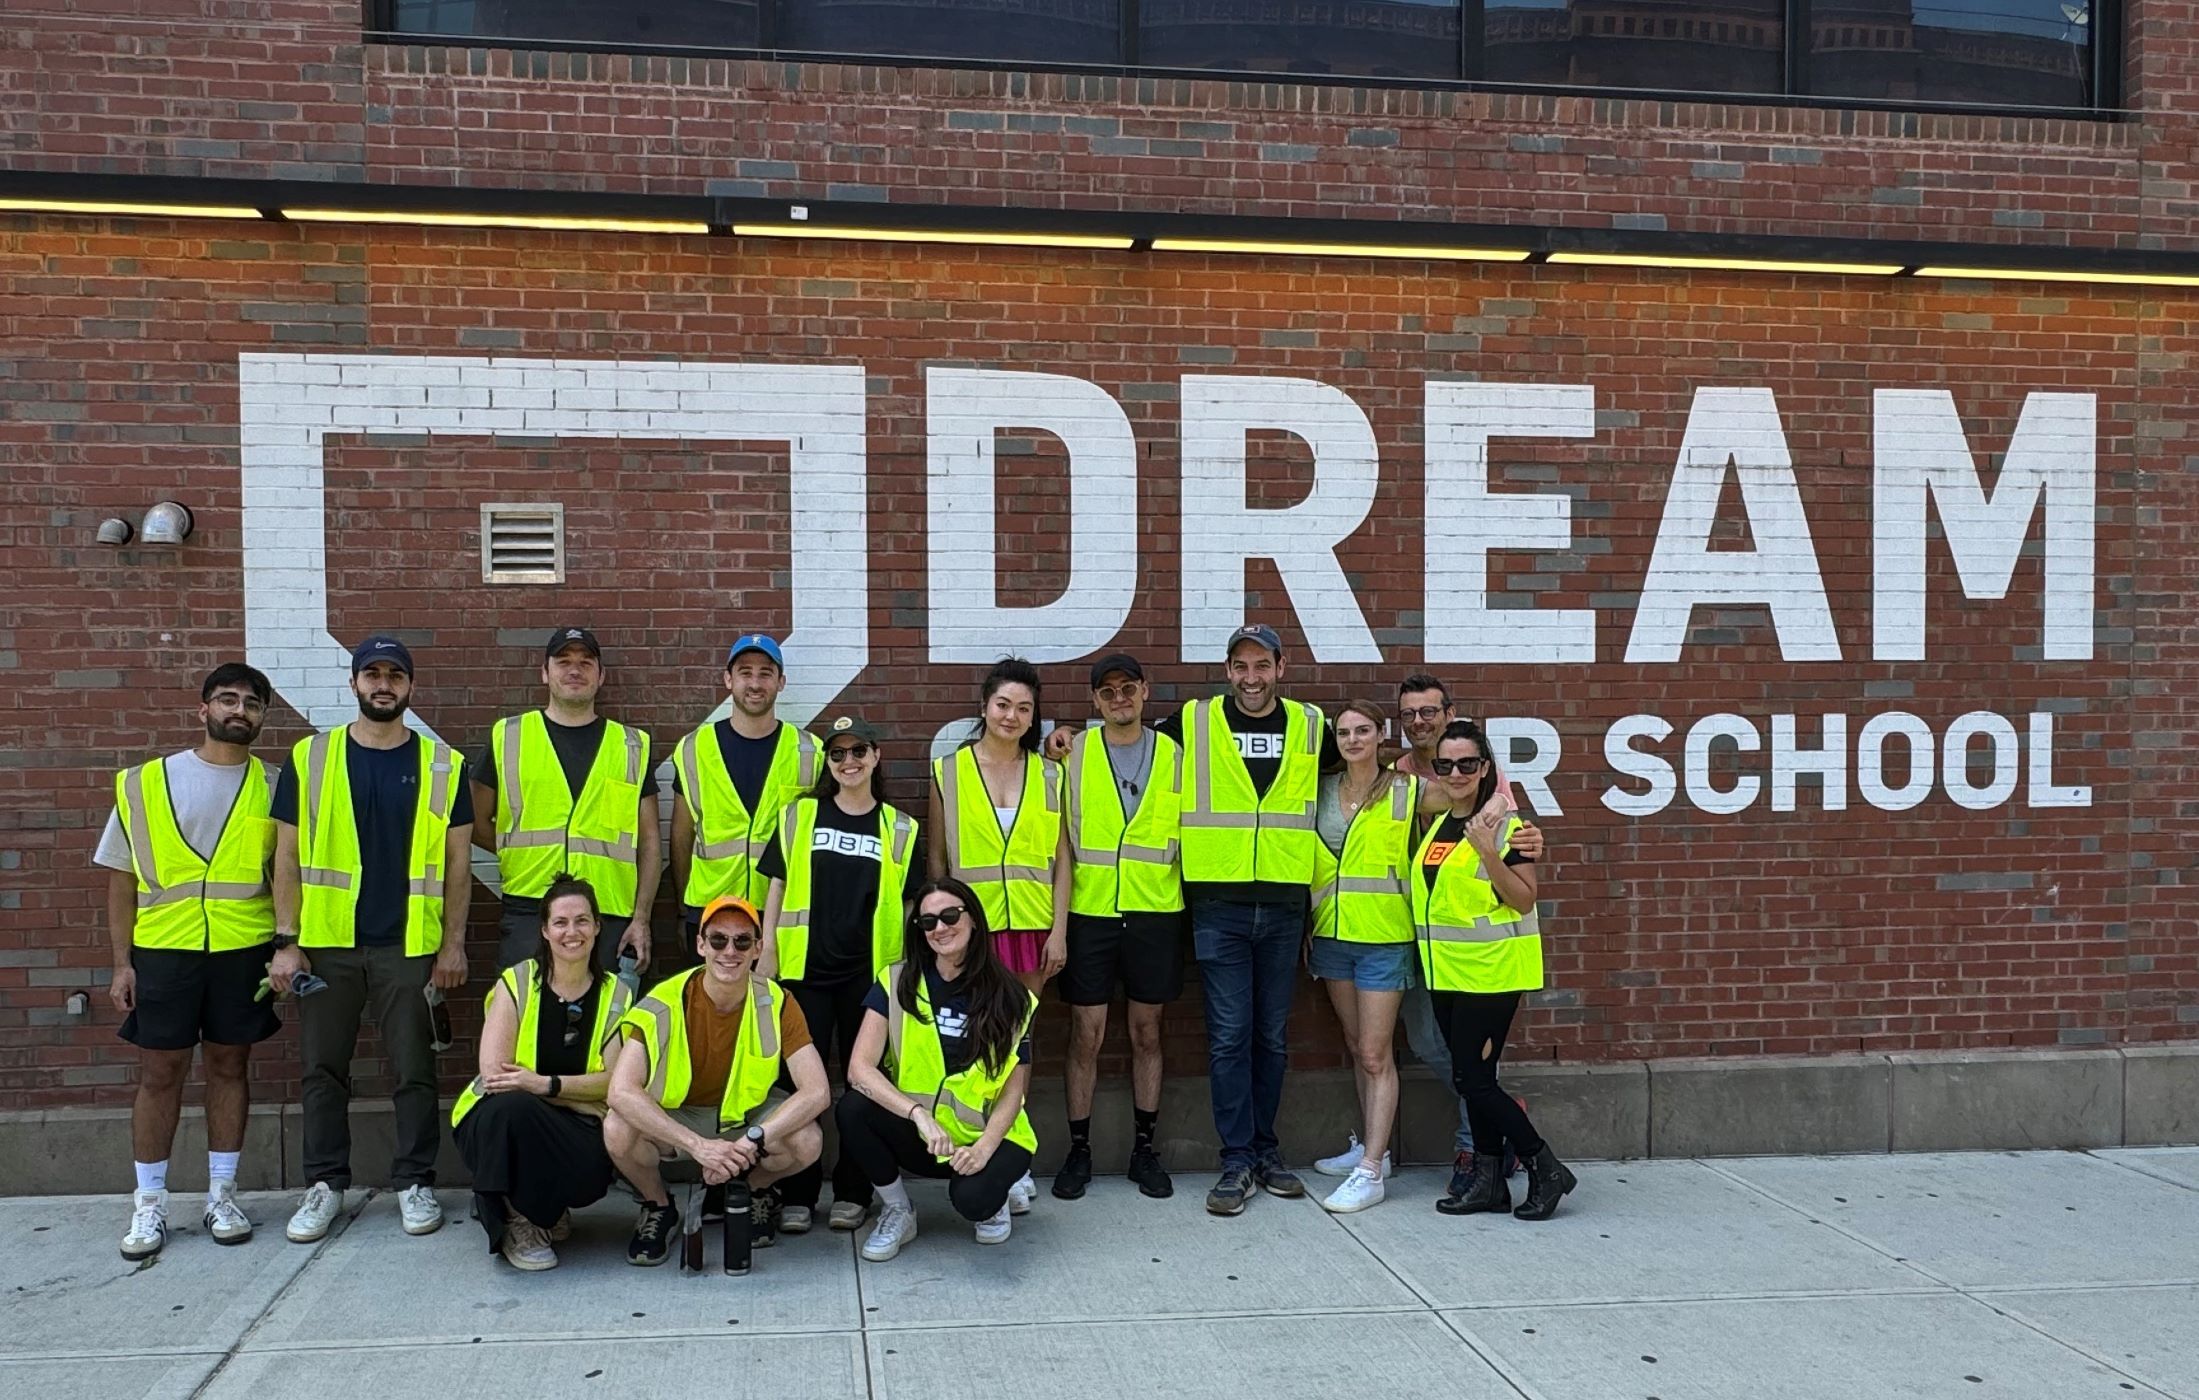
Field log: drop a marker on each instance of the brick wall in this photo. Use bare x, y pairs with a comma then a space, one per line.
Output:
1680, 933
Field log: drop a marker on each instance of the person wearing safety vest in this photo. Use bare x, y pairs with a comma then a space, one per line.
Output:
841, 868
732, 779
1480, 947
373, 837
530, 1125
563, 790
191, 916
1126, 913
699, 1080
937, 1079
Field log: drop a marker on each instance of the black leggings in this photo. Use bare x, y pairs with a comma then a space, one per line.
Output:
885, 1145
834, 1012
1474, 1026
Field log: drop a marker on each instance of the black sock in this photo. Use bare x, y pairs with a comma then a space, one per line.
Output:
1080, 1131
1147, 1120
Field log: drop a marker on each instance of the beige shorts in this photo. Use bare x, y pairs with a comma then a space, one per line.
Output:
702, 1120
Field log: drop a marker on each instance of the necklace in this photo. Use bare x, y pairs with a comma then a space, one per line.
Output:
1347, 801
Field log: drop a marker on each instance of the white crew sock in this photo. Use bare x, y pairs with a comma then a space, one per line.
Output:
895, 1193
152, 1176
221, 1166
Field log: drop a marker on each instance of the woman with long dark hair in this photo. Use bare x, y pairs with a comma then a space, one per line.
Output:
939, 1072
1480, 946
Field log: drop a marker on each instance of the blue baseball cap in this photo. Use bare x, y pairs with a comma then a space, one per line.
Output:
755, 641
381, 648
1255, 632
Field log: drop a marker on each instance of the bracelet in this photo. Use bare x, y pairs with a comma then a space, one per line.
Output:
557, 1087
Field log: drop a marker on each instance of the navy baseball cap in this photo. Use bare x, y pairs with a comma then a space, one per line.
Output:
1255, 632
756, 641
565, 637
381, 648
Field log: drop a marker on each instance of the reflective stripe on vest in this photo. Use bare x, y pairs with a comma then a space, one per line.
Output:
1233, 833
186, 901
961, 1103
328, 848
1124, 865
729, 839
1469, 940
1012, 871
541, 829
797, 829
660, 1020
1362, 896
518, 983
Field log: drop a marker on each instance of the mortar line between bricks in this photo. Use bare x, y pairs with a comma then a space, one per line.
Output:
312, 1257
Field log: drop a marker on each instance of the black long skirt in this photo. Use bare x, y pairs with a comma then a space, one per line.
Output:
534, 1157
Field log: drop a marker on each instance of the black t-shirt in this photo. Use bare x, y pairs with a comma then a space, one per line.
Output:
385, 790
1261, 742
562, 1029
845, 856
1448, 833
747, 762
950, 1010
576, 746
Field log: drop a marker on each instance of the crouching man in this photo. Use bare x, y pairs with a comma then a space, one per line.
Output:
703, 1079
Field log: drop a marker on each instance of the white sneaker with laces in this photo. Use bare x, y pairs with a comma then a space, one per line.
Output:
1361, 1189
1020, 1196
527, 1246
148, 1225
896, 1227
315, 1213
423, 1214
1346, 1162
995, 1230
225, 1220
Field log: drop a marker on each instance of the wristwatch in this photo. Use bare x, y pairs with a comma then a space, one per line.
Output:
755, 1135
285, 940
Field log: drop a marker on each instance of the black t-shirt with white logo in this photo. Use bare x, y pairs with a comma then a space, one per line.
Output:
1262, 742
845, 856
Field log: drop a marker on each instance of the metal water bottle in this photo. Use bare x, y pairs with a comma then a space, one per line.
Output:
739, 1210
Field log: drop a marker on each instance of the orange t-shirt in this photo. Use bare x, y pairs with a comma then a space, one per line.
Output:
711, 1036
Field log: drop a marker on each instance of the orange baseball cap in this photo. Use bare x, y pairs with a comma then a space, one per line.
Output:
724, 902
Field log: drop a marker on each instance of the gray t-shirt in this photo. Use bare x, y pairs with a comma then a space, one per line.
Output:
1133, 767
202, 794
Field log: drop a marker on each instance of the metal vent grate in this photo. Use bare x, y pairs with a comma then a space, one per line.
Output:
522, 542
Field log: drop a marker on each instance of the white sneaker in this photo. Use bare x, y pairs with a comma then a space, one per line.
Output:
148, 1225
1346, 1162
526, 1246
225, 1220
995, 1230
315, 1213
896, 1227
1020, 1196
1361, 1189
423, 1213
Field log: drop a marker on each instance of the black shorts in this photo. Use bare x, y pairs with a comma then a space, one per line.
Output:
1144, 952
183, 998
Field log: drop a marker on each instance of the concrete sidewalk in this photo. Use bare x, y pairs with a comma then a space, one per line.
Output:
2043, 1274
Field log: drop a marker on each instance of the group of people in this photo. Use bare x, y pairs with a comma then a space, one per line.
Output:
830, 932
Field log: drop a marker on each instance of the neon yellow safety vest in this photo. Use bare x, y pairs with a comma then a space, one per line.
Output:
729, 839
1123, 867
1362, 896
1231, 832
542, 830
1012, 871
961, 1103
797, 833
328, 843
660, 1021
184, 900
1471, 941
527, 998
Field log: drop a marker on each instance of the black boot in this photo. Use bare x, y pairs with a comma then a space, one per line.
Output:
1486, 1189
1547, 1180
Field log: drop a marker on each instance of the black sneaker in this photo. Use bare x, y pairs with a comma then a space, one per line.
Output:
1228, 1195
1075, 1173
1151, 1177
1278, 1180
653, 1233
763, 1224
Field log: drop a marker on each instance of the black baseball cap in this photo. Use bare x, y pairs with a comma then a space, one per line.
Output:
1256, 632
852, 727
1121, 661
381, 648
565, 637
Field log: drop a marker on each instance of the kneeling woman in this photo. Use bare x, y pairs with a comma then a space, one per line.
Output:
530, 1124
939, 1071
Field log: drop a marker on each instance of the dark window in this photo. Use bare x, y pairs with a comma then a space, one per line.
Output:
1036, 31
1372, 38
718, 24
2029, 53
1673, 45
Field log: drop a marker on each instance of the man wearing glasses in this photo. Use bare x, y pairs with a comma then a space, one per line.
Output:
703, 1079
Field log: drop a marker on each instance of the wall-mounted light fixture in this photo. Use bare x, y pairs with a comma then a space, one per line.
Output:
169, 522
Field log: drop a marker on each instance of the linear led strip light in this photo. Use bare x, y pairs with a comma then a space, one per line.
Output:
114, 207
2125, 279
927, 235
1703, 264
572, 224
1338, 250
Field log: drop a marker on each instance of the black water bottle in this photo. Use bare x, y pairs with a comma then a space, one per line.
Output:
739, 1210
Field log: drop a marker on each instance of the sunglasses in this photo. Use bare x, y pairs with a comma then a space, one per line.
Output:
738, 942
573, 1029
1444, 767
1424, 712
949, 916
1117, 692
847, 751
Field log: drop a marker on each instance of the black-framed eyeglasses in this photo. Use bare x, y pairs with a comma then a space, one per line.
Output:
1444, 767
949, 916
1424, 712
738, 942
857, 752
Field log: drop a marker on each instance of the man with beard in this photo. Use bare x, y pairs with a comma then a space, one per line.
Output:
372, 879
562, 790
191, 917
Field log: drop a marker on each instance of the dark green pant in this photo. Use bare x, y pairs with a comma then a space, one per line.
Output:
389, 984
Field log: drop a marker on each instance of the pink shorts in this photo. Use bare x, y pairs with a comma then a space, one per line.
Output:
1021, 950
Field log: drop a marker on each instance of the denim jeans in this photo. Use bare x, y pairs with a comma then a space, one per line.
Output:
1426, 1039
1248, 961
